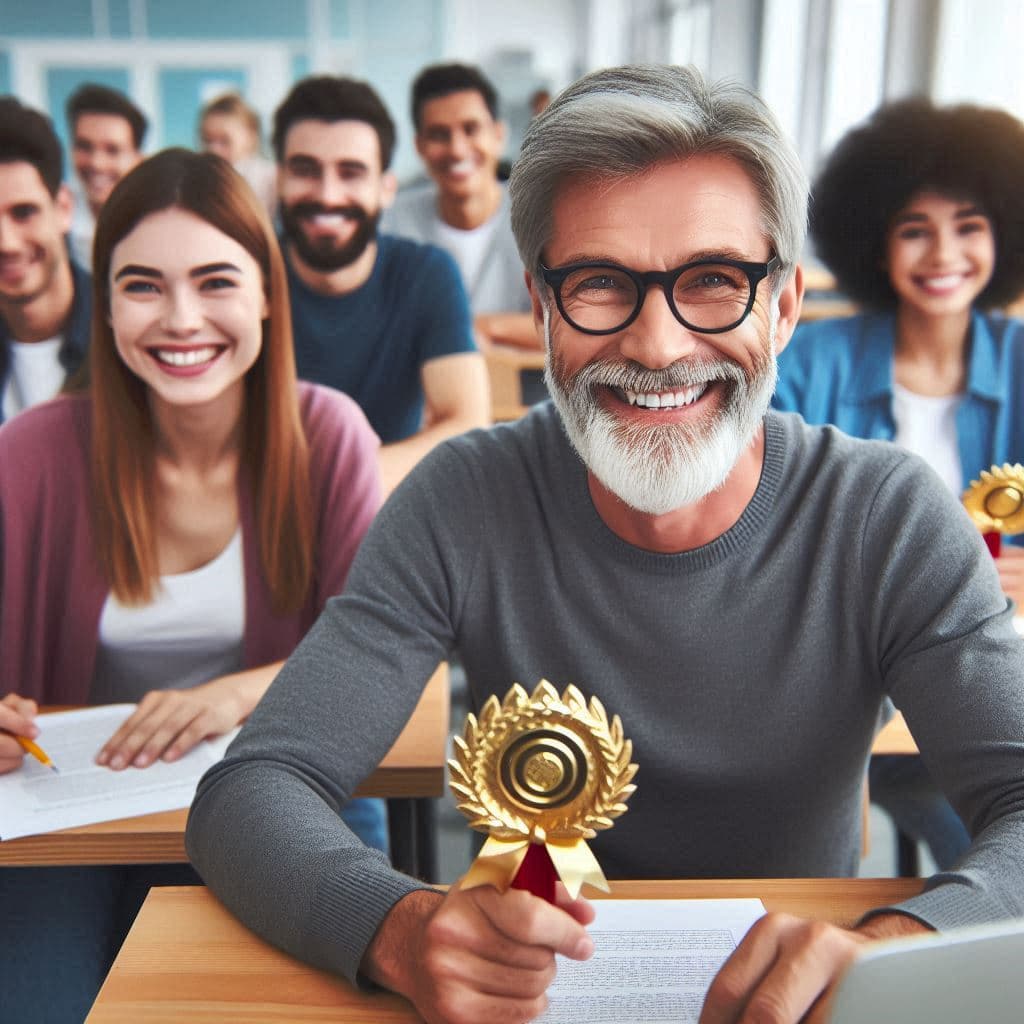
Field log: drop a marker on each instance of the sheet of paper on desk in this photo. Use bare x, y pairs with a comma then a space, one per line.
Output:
653, 961
35, 799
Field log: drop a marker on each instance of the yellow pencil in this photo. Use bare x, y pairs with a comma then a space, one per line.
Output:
37, 752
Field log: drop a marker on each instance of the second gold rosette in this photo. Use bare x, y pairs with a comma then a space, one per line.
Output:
995, 501
541, 768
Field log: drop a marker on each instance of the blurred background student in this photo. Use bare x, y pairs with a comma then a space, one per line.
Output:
917, 213
45, 297
229, 127
107, 134
198, 505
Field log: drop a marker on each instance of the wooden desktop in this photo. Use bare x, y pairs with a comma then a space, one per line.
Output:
187, 959
413, 769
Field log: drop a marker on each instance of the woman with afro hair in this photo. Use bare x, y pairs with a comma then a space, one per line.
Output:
919, 215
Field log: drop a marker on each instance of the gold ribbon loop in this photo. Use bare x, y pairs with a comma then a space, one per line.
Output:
576, 866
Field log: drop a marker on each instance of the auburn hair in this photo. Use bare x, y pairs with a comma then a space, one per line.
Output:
274, 458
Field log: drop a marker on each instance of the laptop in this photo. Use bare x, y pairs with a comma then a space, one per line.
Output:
966, 976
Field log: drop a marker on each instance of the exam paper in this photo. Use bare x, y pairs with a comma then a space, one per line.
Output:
35, 799
653, 961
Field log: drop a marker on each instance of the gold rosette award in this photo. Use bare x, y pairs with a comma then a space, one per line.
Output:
541, 773
995, 501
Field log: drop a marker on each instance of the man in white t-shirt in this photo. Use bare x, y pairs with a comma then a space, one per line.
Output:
460, 138
45, 300
107, 132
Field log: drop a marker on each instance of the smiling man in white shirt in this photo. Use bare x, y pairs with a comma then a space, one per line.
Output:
460, 139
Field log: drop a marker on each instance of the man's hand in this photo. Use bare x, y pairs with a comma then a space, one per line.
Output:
477, 955
785, 969
17, 716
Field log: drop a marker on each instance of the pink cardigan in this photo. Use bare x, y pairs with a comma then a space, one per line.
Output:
52, 590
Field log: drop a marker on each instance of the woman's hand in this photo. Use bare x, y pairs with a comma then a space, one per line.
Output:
1010, 566
17, 718
169, 723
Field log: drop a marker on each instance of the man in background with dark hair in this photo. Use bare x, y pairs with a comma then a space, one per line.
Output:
107, 133
383, 319
45, 300
460, 139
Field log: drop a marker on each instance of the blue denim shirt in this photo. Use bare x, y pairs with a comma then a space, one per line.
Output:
841, 372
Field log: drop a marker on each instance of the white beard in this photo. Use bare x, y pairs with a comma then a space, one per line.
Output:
660, 468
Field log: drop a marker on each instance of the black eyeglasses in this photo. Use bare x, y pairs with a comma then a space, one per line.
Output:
710, 296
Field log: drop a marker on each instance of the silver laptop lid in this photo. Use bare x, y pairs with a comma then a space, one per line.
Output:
966, 976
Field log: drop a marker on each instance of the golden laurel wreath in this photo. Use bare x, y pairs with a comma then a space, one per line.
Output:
541, 768
996, 501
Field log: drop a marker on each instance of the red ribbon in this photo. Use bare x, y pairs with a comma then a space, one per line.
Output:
995, 543
537, 873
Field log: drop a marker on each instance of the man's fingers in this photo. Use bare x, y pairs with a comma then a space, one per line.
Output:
579, 909
473, 929
464, 1006
526, 920
728, 993
782, 969
510, 982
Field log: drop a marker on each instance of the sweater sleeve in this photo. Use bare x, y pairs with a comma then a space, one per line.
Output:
953, 664
264, 831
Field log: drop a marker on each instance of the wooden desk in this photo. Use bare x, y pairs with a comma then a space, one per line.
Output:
895, 738
413, 768
187, 959
505, 364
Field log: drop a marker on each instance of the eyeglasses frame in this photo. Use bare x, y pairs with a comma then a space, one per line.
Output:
555, 277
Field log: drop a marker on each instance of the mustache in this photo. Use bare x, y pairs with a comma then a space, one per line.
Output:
311, 208
630, 376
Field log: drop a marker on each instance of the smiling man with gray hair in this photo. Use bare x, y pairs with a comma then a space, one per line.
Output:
744, 590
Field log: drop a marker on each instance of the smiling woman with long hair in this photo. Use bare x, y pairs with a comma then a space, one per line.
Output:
918, 215
168, 535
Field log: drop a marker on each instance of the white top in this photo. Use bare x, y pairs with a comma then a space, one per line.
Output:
191, 633
467, 247
35, 374
261, 174
83, 228
927, 427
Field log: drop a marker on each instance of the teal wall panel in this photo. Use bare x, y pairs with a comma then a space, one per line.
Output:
237, 20
340, 19
404, 22
47, 18
120, 19
5, 73
62, 81
183, 91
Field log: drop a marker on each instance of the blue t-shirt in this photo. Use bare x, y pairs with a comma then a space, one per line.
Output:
371, 343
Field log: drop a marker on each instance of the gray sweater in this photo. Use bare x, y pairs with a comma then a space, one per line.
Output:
748, 673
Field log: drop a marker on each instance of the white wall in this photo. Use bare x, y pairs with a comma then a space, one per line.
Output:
979, 53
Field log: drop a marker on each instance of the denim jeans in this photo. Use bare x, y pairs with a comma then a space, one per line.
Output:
902, 787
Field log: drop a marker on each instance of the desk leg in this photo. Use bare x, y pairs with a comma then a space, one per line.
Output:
908, 864
412, 828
